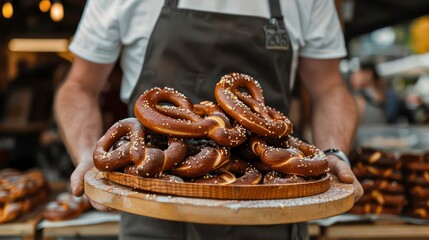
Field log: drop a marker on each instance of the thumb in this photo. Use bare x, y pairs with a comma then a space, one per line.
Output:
76, 179
341, 169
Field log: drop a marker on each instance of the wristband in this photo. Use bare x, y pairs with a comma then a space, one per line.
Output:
340, 154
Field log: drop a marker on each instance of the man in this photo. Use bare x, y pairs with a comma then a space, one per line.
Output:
189, 45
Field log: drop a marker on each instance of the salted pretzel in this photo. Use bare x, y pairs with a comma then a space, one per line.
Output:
222, 178
298, 158
419, 192
390, 173
148, 161
366, 171
274, 177
14, 186
132, 169
388, 199
245, 153
156, 161
205, 161
106, 159
422, 213
415, 161
418, 178
248, 107
180, 120
384, 186
419, 202
65, 207
372, 208
244, 172
235, 172
375, 157
10, 211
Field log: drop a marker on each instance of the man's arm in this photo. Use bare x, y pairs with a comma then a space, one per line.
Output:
334, 113
78, 114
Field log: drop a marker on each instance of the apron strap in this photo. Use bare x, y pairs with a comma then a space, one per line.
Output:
275, 10
276, 13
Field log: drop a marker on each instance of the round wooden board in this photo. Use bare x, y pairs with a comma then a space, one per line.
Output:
338, 199
215, 191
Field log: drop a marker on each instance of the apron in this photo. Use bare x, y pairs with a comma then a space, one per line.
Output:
190, 51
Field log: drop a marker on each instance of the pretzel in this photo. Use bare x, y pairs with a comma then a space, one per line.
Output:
371, 208
180, 120
14, 186
415, 162
245, 173
10, 211
260, 166
148, 161
132, 169
375, 157
155, 161
384, 186
299, 159
422, 213
106, 160
388, 199
419, 178
202, 163
65, 207
419, 202
248, 108
419, 192
246, 153
223, 178
390, 173
364, 171
280, 178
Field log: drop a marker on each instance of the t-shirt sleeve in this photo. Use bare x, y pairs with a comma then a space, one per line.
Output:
97, 38
323, 36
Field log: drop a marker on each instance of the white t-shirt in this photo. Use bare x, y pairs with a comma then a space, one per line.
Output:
109, 28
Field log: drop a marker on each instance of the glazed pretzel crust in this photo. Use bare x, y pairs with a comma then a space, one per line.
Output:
248, 108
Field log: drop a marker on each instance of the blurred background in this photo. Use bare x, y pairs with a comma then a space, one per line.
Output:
386, 70
34, 60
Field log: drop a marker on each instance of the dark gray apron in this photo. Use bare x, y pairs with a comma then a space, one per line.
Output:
190, 51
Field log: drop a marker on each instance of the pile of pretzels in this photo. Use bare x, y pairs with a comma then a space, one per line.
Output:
416, 170
380, 174
66, 206
237, 140
20, 193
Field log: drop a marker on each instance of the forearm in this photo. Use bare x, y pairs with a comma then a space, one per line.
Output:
79, 118
334, 119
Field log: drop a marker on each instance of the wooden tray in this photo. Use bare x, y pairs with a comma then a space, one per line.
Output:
336, 200
221, 191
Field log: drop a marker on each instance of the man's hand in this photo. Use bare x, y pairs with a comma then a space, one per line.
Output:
78, 115
76, 182
342, 170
